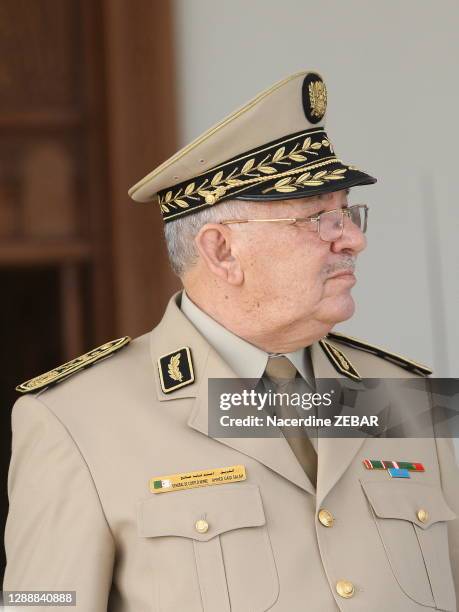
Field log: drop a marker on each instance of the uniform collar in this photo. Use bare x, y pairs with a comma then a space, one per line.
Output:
175, 331
244, 358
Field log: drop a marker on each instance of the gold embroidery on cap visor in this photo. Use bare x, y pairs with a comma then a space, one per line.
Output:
303, 164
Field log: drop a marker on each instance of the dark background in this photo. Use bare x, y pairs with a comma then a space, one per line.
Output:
86, 109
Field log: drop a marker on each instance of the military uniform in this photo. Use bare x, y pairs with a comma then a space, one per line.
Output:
82, 516
97, 451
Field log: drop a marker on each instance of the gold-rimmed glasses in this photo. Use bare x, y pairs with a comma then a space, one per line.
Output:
330, 223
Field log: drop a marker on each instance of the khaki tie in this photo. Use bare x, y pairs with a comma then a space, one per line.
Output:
282, 373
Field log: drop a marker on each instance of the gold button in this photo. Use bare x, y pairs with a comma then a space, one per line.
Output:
201, 526
326, 518
345, 588
423, 515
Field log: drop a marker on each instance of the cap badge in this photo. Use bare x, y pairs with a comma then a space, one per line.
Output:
314, 97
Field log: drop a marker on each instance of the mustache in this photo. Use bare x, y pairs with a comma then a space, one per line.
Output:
345, 263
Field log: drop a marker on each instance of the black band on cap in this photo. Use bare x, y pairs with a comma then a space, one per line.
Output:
298, 165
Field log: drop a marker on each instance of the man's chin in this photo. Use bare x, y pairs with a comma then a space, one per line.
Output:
342, 309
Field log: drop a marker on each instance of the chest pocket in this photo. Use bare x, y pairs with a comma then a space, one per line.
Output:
412, 520
230, 545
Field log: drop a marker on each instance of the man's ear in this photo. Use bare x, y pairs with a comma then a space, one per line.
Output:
215, 245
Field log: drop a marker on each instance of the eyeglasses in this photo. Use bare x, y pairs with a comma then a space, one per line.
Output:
330, 223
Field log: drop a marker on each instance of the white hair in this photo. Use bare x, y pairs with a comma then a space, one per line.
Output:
180, 234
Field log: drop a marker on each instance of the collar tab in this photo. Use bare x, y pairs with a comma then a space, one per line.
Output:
339, 361
176, 370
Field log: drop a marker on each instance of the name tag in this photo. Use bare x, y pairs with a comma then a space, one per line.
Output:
198, 478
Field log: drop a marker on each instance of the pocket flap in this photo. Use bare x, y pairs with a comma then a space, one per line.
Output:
223, 507
403, 500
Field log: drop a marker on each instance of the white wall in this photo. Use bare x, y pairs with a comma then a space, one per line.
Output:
391, 74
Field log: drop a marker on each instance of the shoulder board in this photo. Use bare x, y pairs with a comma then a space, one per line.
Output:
403, 362
75, 365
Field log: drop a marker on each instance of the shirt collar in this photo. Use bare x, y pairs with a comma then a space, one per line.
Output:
245, 359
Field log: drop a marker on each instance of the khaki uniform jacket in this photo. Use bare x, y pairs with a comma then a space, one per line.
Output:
82, 516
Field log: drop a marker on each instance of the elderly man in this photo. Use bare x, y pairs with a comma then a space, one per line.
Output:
117, 489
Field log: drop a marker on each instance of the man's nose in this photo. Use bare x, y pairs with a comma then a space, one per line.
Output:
353, 238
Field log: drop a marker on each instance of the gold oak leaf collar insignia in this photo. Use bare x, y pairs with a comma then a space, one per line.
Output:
176, 370
339, 361
71, 367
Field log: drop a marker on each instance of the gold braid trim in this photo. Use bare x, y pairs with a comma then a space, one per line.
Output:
317, 179
260, 172
284, 185
327, 177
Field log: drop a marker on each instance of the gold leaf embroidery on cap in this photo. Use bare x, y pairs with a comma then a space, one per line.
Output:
174, 368
318, 98
290, 184
262, 171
